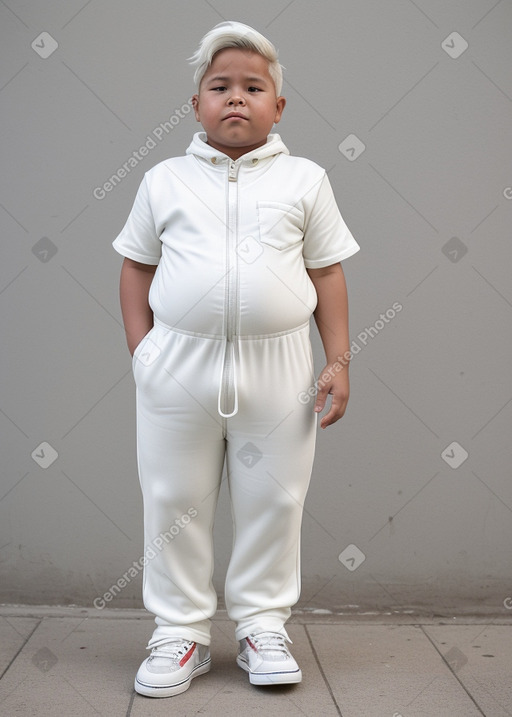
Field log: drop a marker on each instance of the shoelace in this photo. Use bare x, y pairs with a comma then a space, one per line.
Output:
270, 641
174, 649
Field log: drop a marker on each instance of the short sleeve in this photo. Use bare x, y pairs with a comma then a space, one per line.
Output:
138, 239
327, 239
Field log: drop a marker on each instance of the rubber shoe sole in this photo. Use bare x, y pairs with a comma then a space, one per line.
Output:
269, 678
170, 690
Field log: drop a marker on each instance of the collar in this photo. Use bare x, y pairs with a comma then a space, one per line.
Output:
198, 147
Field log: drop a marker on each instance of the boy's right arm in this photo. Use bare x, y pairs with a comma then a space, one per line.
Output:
135, 281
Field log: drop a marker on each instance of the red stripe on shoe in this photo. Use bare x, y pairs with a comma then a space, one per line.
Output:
251, 644
189, 654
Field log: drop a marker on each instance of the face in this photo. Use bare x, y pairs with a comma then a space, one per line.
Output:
237, 103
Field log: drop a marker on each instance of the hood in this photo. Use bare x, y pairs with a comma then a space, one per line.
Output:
200, 148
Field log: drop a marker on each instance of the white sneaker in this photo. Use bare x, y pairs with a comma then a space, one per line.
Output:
171, 667
267, 659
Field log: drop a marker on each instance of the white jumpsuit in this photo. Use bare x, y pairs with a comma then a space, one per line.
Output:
219, 375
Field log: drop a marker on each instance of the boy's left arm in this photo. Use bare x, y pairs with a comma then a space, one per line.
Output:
331, 317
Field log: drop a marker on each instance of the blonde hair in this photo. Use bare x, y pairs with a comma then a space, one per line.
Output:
235, 34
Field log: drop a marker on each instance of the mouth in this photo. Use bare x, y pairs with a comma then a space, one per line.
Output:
235, 115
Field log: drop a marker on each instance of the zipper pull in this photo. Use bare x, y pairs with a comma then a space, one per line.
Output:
233, 172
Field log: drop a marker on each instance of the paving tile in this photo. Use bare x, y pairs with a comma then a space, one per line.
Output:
14, 631
481, 658
388, 671
74, 666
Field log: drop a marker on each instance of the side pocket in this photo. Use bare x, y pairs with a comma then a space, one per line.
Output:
280, 225
139, 346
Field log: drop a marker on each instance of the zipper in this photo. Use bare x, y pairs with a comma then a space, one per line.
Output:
228, 393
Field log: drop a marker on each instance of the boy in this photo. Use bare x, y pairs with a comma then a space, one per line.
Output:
228, 250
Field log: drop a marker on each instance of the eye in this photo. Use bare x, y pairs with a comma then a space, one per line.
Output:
254, 89
218, 89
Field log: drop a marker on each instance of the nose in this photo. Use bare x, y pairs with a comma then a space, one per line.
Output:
236, 100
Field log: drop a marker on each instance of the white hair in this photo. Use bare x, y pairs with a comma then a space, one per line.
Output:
235, 34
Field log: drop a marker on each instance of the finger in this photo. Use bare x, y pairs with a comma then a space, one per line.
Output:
336, 412
329, 418
321, 398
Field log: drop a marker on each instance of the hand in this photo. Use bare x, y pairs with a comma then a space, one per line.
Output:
336, 383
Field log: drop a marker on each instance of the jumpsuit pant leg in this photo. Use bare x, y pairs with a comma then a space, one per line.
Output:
181, 452
270, 450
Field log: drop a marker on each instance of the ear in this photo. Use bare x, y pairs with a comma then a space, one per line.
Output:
280, 104
195, 104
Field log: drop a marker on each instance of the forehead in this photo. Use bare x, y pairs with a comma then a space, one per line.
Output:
237, 61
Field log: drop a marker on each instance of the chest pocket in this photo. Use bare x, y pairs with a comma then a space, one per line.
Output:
280, 225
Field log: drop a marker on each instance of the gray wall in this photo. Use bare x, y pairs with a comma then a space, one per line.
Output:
416, 477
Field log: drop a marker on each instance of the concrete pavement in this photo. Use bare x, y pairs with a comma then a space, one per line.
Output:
80, 662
